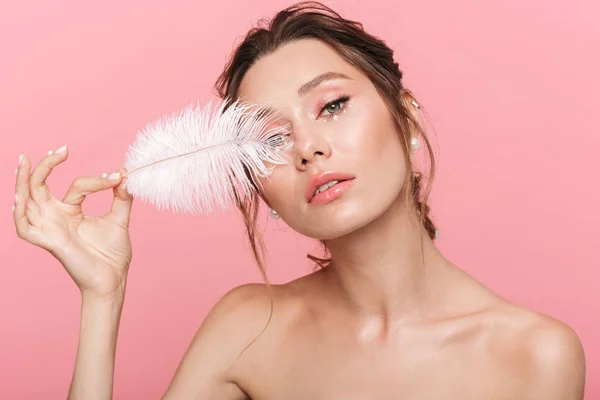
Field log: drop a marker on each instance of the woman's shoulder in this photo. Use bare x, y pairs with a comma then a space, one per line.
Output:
518, 330
248, 308
546, 350
513, 324
254, 310
539, 332
243, 305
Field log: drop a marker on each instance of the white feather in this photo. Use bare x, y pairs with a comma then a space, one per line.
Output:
193, 161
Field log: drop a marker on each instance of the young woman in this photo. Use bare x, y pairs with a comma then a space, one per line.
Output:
387, 316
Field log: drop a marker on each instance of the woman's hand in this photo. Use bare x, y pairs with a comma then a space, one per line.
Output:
96, 252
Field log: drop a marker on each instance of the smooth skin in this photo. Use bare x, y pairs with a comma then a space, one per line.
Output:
376, 324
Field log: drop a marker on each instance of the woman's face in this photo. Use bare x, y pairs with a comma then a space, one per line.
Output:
339, 124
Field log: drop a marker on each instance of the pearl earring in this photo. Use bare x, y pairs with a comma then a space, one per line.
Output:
415, 143
274, 214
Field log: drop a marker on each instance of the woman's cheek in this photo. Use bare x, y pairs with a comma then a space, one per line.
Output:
275, 183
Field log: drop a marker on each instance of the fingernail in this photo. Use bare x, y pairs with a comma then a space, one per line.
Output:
12, 209
61, 149
114, 176
50, 152
104, 175
17, 171
20, 159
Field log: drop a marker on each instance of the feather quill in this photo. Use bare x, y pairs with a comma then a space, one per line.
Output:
195, 160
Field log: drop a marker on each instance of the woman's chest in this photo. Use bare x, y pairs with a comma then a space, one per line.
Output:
338, 382
328, 370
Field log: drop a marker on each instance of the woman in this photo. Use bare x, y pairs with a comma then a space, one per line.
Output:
386, 317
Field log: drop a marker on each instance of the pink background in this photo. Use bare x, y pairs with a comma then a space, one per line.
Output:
512, 91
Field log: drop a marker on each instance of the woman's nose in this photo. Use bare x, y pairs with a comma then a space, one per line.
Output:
308, 146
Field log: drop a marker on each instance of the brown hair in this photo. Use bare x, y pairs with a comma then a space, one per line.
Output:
369, 54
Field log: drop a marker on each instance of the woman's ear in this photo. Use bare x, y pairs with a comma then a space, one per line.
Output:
410, 104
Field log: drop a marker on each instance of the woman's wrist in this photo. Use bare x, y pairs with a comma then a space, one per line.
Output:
94, 366
113, 298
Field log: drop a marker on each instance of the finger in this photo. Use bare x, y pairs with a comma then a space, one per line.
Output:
122, 201
85, 185
26, 211
21, 223
39, 190
25, 230
22, 187
22, 180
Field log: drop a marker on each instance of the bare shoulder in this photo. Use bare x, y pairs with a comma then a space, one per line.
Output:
233, 322
243, 300
540, 350
547, 351
238, 316
558, 355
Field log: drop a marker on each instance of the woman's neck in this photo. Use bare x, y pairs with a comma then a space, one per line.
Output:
378, 270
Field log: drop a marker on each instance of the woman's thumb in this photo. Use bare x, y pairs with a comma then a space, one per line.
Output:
122, 200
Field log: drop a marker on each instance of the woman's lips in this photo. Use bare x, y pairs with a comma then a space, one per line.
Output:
320, 179
332, 193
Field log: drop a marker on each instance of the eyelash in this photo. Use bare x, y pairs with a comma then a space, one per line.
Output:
340, 100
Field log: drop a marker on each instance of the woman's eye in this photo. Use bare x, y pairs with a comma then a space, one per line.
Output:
279, 139
335, 106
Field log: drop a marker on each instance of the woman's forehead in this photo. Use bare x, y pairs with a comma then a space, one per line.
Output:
283, 71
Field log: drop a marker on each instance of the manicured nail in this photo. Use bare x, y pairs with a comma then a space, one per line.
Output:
114, 176
17, 171
12, 209
61, 149
20, 159
50, 152
104, 175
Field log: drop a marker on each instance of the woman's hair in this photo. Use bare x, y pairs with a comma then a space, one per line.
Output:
369, 54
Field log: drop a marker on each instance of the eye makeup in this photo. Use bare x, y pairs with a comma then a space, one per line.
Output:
332, 108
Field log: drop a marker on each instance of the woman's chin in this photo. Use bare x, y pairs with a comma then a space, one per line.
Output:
343, 219
335, 228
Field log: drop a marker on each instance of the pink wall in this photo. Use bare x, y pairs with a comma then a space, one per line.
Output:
512, 91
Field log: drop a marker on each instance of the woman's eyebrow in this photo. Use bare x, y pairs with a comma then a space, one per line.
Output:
307, 87
313, 83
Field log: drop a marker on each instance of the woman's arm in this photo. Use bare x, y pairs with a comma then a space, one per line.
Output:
95, 252
236, 319
95, 362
